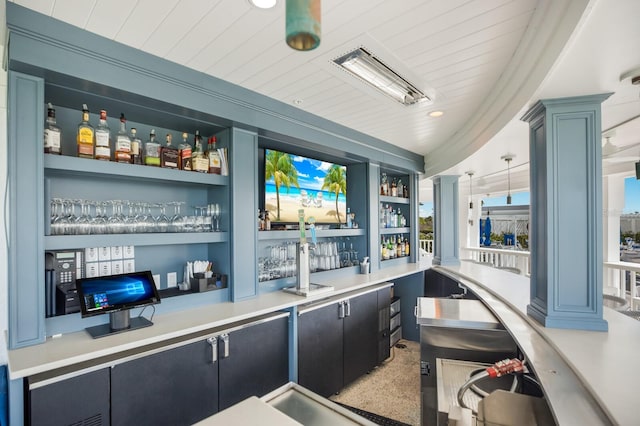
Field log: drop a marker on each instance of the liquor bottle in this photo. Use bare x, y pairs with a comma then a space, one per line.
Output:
136, 146
267, 221
215, 164
123, 143
399, 190
103, 138
394, 188
384, 185
398, 246
403, 247
169, 154
185, 153
52, 133
199, 163
85, 138
152, 150
385, 251
405, 191
406, 247
349, 224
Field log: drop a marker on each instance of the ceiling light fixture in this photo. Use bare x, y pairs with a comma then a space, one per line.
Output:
303, 24
263, 4
436, 114
508, 159
373, 71
470, 173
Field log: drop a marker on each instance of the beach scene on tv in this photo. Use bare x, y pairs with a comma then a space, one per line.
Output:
293, 182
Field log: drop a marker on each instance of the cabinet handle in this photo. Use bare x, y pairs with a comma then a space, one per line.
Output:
213, 341
348, 303
341, 310
225, 340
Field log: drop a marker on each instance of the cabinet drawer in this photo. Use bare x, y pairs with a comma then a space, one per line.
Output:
395, 322
395, 306
395, 336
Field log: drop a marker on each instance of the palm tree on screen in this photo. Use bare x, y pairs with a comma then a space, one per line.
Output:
279, 166
335, 181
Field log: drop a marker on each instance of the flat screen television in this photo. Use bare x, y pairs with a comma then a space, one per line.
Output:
116, 295
294, 182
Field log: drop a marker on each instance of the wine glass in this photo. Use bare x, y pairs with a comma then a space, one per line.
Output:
162, 221
57, 216
99, 221
215, 212
177, 220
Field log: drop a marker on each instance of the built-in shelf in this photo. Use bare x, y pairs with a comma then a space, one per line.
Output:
59, 242
395, 200
320, 233
395, 261
389, 231
66, 165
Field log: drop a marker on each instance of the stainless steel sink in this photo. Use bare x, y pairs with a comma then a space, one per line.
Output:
312, 290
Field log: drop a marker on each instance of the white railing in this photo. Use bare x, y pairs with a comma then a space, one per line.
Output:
516, 261
622, 279
427, 245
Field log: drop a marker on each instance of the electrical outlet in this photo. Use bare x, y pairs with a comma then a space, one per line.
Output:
172, 279
156, 280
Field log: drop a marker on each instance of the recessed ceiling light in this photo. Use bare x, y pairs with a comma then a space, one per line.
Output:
263, 4
297, 101
436, 114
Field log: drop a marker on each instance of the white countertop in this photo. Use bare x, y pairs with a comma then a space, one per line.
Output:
79, 347
604, 362
251, 411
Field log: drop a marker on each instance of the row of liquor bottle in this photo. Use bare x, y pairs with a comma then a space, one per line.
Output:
395, 188
96, 143
390, 218
393, 247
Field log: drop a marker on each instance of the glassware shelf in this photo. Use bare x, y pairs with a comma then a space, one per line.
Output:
389, 231
320, 233
394, 200
60, 242
65, 165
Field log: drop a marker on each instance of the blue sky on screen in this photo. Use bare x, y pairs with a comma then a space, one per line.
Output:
311, 172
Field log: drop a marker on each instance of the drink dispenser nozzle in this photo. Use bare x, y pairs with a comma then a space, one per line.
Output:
302, 262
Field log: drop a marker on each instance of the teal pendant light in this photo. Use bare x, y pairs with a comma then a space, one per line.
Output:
303, 24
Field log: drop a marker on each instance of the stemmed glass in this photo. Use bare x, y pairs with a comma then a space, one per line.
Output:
215, 213
116, 222
58, 217
70, 215
162, 221
83, 222
177, 220
99, 221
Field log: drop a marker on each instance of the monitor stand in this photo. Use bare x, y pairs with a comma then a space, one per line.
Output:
118, 322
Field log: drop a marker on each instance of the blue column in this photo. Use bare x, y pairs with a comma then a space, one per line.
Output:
445, 221
566, 212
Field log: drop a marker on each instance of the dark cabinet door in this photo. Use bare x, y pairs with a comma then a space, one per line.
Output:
320, 350
360, 336
257, 361
82, 400
174, 387
384, 316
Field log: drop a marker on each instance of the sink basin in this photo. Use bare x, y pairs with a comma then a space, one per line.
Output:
312, 290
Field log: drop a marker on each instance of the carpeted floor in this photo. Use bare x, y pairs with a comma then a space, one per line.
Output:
393, 389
